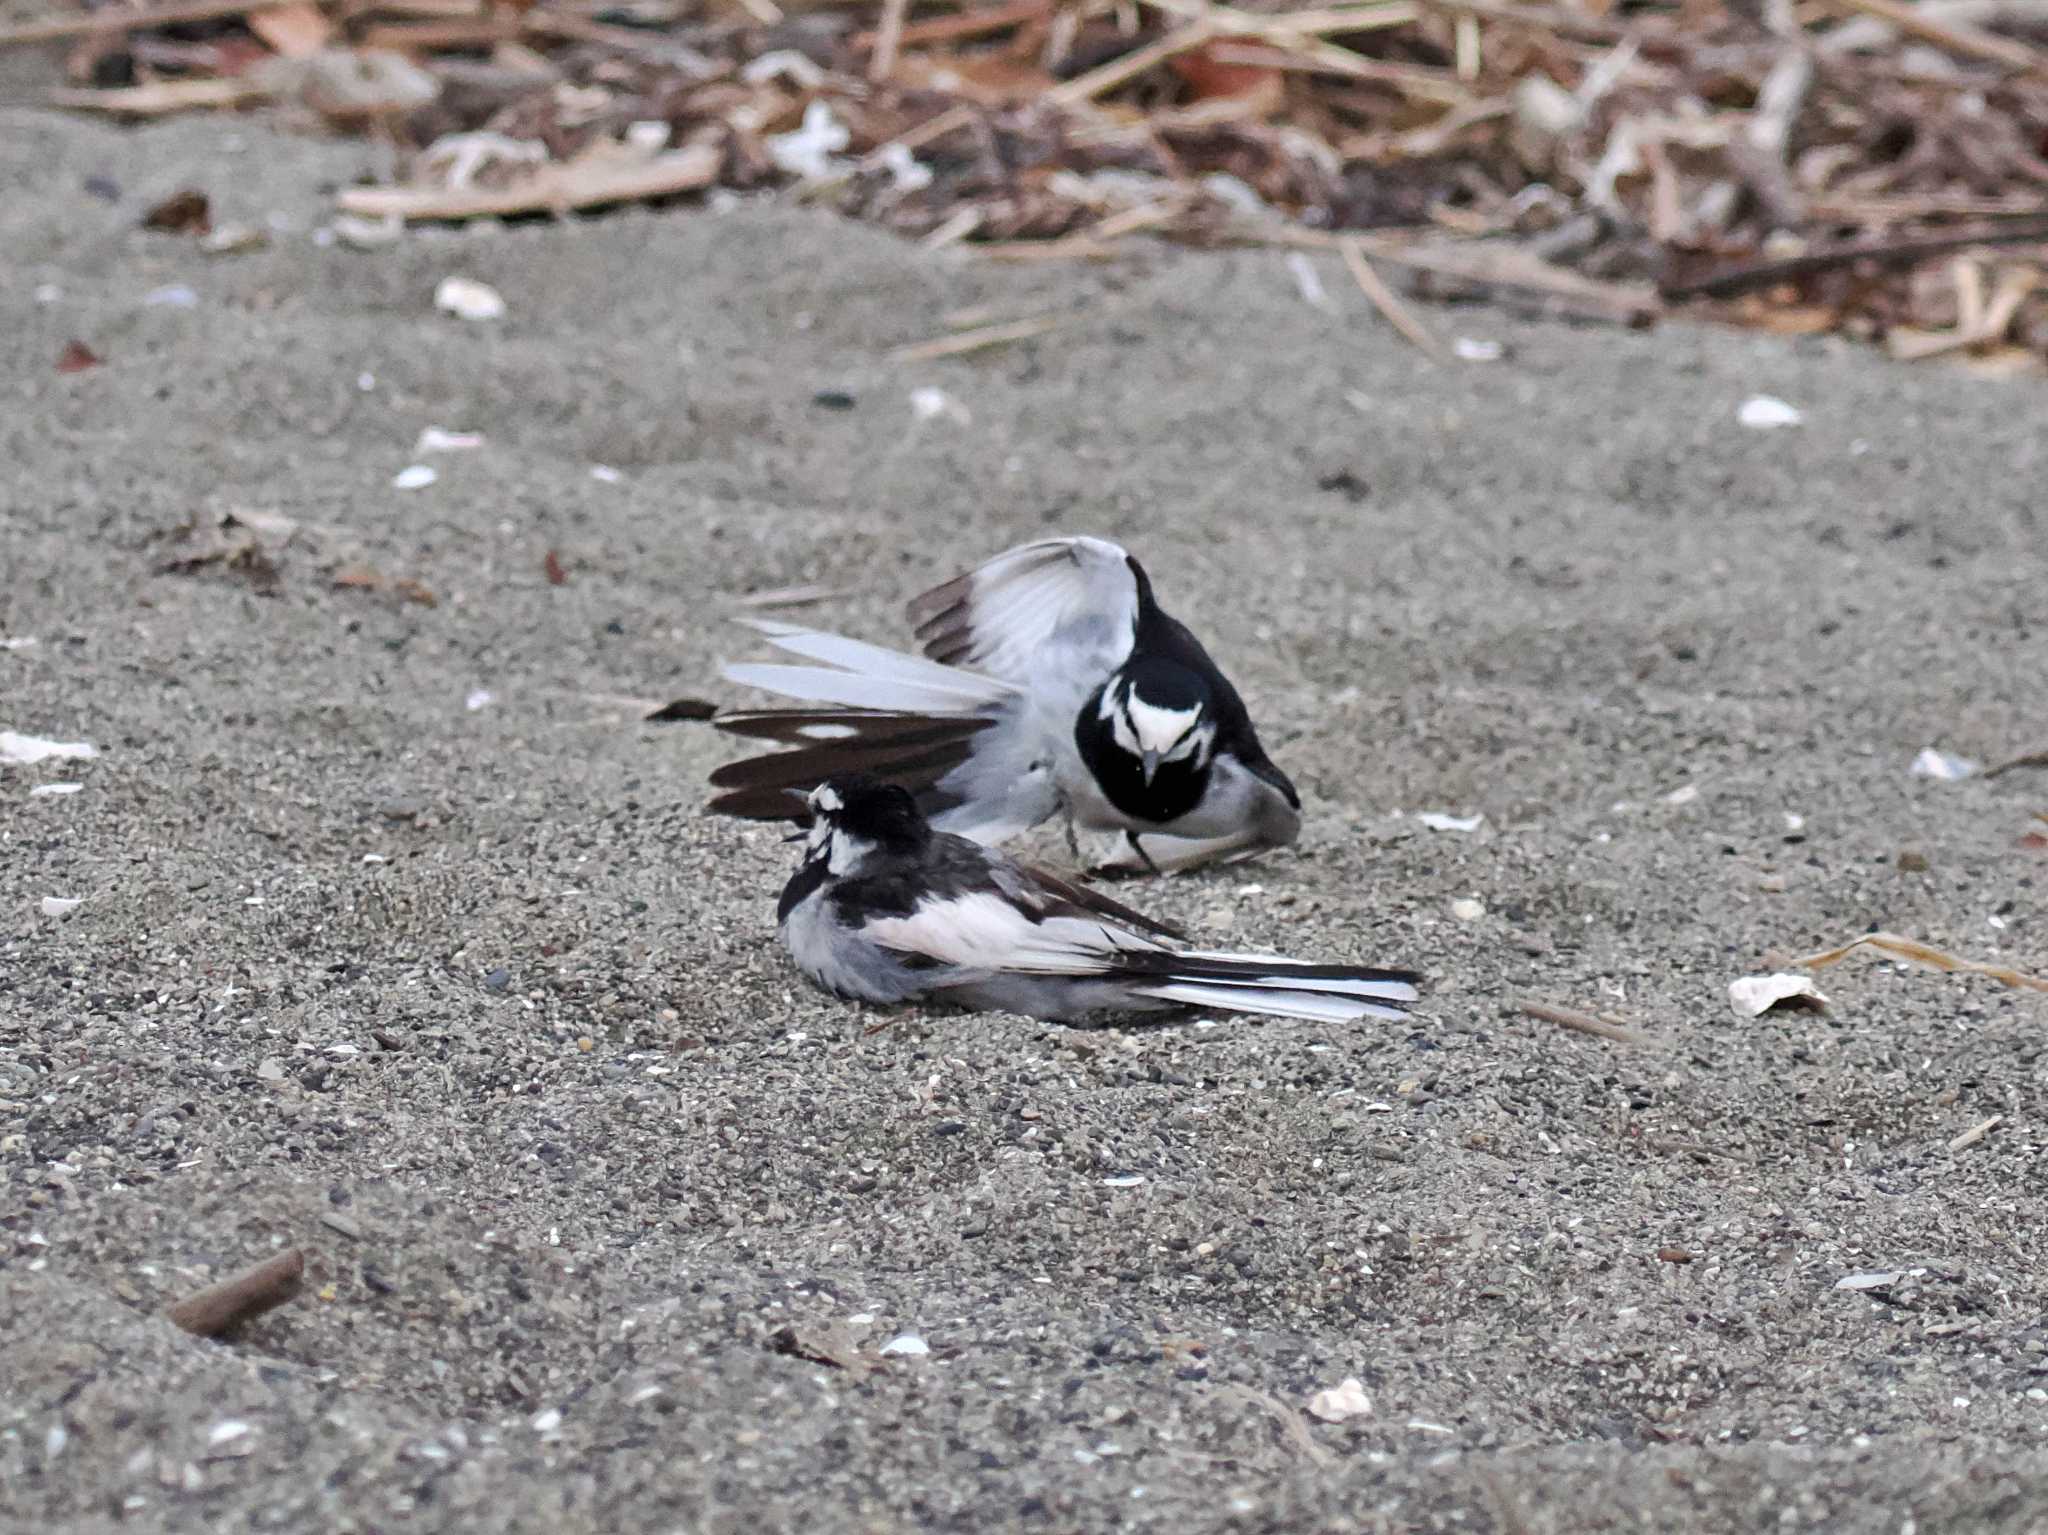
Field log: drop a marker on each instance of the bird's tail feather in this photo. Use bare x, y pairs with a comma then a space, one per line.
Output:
1251, 983
912, 750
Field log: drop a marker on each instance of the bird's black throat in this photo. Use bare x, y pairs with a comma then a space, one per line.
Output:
1176, 787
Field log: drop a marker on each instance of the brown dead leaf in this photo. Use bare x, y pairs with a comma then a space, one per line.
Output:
362, 578
1206, 77
244, 557
76, 357
2034, 841
1673, 1255
296, 31
552, 566
417, 591
185, 212
822, 1343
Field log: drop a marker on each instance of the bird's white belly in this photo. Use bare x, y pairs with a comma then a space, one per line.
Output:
839, 960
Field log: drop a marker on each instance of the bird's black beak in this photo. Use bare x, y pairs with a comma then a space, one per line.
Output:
1148, 764
803, 798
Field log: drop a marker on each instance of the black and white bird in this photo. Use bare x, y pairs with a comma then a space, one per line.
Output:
1051, 683
886, 909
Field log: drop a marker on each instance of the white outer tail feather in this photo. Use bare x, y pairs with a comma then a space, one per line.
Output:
1313, 1006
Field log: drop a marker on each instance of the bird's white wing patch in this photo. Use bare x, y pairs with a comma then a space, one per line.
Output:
1073, 596
869, 676
984, 931
885, 665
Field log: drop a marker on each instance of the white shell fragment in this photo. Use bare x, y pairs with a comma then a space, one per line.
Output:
808, 151
928, 404
907, 173
1341, 1402
25, 751
1438, 820
437, 439
1754, 995
61, 905
47, 790
1467, 909
1867, 1281
1761, 412
1936, 764
415, 477
908, 1343
468, 299
1472, 349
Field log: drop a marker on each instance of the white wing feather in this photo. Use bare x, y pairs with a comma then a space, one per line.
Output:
985, 931
1073, 595
871, 676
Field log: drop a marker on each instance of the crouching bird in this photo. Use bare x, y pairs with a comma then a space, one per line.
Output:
886, 909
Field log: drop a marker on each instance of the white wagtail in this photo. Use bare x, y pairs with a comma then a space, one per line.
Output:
1051, 682
885, 909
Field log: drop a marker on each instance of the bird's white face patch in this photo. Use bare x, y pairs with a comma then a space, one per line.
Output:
1153, 729
845, 852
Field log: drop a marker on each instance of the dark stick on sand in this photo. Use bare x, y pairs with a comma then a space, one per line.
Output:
241, 1297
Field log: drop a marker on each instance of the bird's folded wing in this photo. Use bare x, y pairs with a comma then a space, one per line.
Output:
1068, 602
1053, 896
983, 930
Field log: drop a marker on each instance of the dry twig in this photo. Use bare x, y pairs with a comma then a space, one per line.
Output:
1584, 1023
240, 1297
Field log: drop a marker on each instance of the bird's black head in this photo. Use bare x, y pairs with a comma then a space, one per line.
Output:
1162, 714
854, 814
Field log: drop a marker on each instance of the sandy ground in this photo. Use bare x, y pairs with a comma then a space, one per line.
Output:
476, 1006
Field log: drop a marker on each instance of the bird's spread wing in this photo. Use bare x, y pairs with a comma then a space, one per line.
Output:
1065, 602
867, 676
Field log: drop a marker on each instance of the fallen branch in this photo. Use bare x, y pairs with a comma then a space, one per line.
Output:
1966, 41
160, 98
2033, 759
1884, 250
1913, 952
1584, 1023
979, 339
1484, 265
1976, 1133
1388, 303
241, 1297
57, 29
553, 189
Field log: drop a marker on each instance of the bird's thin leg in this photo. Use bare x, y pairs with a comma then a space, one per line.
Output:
1073, 839
1131, 839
